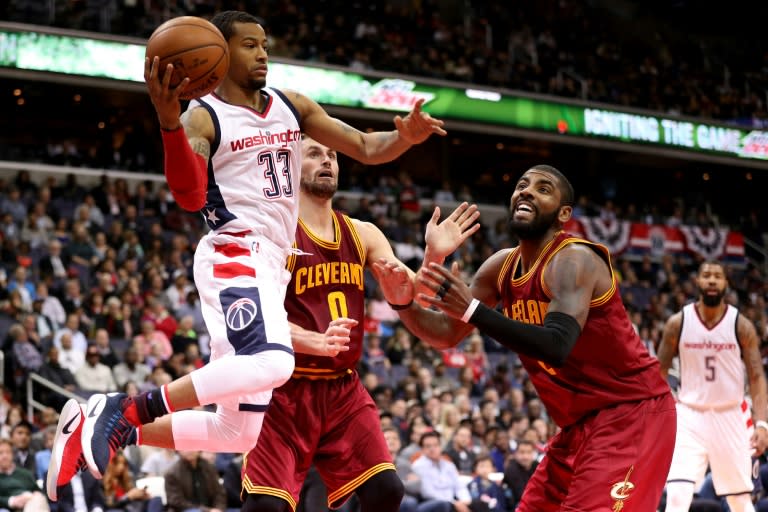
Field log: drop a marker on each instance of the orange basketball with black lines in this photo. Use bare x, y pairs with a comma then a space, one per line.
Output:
196, 49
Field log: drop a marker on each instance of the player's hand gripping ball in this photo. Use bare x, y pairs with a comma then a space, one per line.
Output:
197, 50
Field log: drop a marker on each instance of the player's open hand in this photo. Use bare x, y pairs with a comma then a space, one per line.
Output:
759, 441
417, 126
336, 337
395, 281
164, 98
445, 237
448, 292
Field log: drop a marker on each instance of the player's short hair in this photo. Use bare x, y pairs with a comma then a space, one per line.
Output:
225, 21
710, 262
566, 189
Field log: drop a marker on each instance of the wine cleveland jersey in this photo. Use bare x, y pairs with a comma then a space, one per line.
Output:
327, 283
255, 167
609, 364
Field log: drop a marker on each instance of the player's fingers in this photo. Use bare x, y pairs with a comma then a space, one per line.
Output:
469, 232
440, 271
179, 90
456, 214
147, 69
166, 81
399, 123
435, 215
430, 280
417, 106
470, 220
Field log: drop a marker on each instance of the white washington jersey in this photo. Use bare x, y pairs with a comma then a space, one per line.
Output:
255, 168
711, 367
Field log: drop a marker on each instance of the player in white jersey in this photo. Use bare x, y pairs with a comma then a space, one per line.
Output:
714, 425
234, 155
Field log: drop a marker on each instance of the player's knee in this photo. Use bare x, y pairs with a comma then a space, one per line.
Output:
382, 492
238, 432
264, 503
271, 368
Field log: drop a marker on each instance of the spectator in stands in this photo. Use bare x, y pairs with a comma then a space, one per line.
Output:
193, 483
149, 338
519, 470
50, 306
477, 359
73, 297
411, 480
441, 486
20, 281
487, 494
192, 307
94, 376
43, 455
185, 334
14, 206
69, 357
19, 490
53, 371
176, 294
417, 426
159, 461
72, 327
26, 357
448, 421
103, 344
115, 320
131, 368
460, 450
232, 482
501, 449
82, 493
120, 491
23, 453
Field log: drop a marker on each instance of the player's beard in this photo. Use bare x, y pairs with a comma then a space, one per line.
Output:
322, 189
533, 229
711, 301
257, 84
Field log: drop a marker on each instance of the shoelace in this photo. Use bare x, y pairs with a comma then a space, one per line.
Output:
120, 430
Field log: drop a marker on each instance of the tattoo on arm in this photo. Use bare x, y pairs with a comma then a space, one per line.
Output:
201, 146
749, 347
347, 128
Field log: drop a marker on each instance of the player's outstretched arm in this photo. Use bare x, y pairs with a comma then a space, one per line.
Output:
335, 339
571, 277
369, 148
670, 339
757, 384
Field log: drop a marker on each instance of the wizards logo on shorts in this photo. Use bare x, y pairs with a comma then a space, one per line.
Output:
244, 319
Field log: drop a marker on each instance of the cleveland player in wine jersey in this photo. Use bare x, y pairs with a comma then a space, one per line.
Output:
234, 157
323, 415
563, 315
714, 426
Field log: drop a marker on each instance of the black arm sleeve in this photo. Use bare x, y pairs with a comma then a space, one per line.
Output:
550, 343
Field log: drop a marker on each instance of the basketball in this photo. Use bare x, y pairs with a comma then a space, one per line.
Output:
196, 49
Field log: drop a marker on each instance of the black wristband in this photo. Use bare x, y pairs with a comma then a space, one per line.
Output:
400, 307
